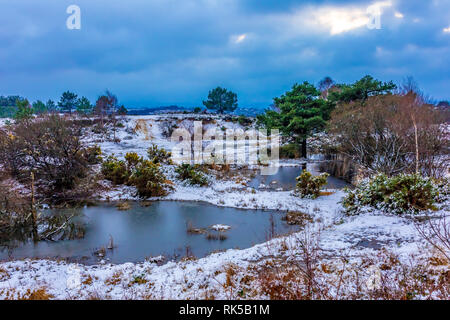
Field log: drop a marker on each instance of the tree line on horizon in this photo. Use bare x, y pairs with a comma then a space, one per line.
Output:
302, 111
220, 100
18, 107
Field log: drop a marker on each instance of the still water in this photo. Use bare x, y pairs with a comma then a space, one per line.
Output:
285, 179
159, 229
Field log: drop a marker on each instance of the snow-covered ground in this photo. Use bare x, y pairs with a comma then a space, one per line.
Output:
340, 236
352, 238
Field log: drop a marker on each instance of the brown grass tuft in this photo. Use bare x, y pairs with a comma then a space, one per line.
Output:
37, 294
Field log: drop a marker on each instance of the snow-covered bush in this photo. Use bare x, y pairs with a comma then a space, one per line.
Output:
401, 194
132, 159
308, 186
192, 174
51, 147
158, 155
244, 121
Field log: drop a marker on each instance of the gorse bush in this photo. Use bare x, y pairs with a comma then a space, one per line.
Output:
145, 175
148, 179
93, 155
115, 170
192, 174
158, 155
132, 159
308, 186
401, 194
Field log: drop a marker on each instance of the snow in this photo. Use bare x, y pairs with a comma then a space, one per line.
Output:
220, 227
353, 237
191, 278
4, 121
195, 279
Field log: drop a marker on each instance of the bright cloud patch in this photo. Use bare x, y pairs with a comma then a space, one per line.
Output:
399, 15
447, 30
239, 38
343, 19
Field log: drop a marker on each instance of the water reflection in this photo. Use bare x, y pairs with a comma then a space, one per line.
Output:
158, 229
285, 179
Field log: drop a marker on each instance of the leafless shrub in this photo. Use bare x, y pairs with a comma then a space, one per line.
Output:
271, 232
167, 127
308, 244
50, 147
382, 276
15, 216
299, 218
437, 233
391, 134
216, 236
190, 229
294, 278
188, 254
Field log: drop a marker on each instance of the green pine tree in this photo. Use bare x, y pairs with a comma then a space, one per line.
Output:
24, 110
221, 100
361, 90
68, 102
84, 106
39, 107
299, 113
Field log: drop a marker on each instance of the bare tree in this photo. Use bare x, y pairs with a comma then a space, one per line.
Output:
325, 85
112, 108
391, 134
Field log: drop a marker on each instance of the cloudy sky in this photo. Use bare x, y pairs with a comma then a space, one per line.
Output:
161, 52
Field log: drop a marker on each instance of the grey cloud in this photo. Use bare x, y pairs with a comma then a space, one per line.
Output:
167, 51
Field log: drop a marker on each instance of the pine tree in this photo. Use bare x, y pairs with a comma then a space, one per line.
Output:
68, 102
361, 90
84, 106
24, 110
39, 107
299, 113
222, 100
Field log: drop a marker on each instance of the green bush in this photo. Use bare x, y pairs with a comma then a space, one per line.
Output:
132, 159
308, 186
244, 121
401, 194
93, 155
145, 175
148, 180
290, 151
192, 174
115, 170
158, 155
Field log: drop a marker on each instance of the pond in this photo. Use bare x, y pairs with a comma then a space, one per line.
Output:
285, 179
159, 229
